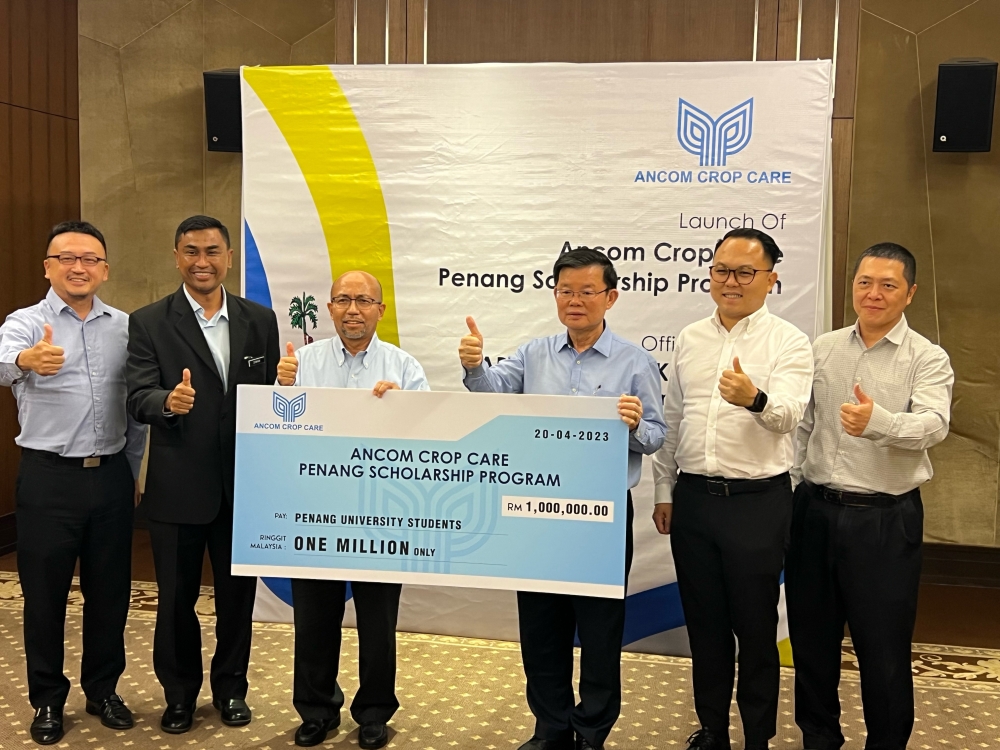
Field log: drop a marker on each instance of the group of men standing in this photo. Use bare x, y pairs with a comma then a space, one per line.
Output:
769, 454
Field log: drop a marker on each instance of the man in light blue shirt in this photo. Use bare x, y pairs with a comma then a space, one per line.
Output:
587, 360
64, 359
355, 358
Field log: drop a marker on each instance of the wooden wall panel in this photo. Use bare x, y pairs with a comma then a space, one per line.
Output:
345, 32
843, 150
39, 174
767, 30
371, 31
415, 31
847, 58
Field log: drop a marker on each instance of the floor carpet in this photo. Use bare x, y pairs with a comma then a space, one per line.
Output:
461, 693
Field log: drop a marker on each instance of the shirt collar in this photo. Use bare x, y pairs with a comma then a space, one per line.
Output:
751, 321
223, 311
58, 304
896, 335
601, 346
340, 351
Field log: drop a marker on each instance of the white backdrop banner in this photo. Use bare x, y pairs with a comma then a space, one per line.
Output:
459, 185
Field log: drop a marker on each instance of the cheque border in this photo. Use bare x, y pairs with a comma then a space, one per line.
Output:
603, 590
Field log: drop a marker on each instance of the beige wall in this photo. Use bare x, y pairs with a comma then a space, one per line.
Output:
946, 209
143, 162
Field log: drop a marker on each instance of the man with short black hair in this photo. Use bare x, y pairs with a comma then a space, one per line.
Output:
80, 454
881, 398
586, 360
736, 388
187, 354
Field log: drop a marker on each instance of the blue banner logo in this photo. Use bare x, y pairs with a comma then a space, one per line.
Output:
712, 140
289, 409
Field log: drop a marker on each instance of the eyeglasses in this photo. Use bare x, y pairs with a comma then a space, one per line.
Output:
68, 259
363, 303
744, 274
586, 296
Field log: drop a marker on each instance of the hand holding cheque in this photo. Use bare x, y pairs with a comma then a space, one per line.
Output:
470, 352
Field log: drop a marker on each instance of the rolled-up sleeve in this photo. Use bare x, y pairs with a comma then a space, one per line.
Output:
648, 436
16, 334
506, 376
789, 387
926, 423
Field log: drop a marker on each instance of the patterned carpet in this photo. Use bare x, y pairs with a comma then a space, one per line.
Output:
462, 693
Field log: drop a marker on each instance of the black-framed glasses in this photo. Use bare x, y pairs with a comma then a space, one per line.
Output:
68, 259
586, 296
744, 274
343, 302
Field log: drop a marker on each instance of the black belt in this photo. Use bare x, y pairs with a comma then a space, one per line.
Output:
90, 462
725, 487
860, 499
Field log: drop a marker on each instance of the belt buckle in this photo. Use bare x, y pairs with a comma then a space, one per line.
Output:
716, 483
91, 461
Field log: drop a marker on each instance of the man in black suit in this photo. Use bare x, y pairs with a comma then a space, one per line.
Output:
186, 355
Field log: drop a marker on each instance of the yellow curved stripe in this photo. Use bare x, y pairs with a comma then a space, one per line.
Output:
313, 114
785, 652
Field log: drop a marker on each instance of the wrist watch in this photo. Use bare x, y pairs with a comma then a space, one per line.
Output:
758, 403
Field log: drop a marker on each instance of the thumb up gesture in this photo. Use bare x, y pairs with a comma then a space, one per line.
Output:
736, 386
470, 350
288, 366
181, 399
855, 417
44, 358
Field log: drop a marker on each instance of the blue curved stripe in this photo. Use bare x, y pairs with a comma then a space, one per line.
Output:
282, 588
257, 289
652, 611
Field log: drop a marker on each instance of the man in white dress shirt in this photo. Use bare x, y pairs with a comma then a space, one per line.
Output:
354, 358
881, 398
737, 387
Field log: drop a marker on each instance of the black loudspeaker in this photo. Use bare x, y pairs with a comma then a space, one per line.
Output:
963, 118
223, 117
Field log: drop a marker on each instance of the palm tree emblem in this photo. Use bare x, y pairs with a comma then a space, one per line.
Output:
300, 311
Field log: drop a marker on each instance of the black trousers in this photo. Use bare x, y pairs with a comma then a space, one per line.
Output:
728, 553
859, 565
178, 552
319, 613
548, 623
66, 512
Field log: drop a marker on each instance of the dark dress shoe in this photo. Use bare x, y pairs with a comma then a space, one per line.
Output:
47, 726
178, 718
313, 731
235, 712
582, 744
705, 739
372, 736
113, 712
537, 743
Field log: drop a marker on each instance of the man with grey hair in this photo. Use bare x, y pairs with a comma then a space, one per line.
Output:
355, 358
881, 398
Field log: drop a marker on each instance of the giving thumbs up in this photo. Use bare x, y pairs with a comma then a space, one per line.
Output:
44, 358
181, 399
855, 417
470, 350
736, 387
288, 366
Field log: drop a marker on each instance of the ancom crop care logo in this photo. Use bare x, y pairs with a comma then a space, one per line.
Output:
713, 140
289, 409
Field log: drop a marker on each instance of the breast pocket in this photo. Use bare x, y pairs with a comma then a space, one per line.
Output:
892, 393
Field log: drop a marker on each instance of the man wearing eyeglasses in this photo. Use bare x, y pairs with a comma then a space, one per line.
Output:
737, 387
77, 486
187, 354
355, 358
585, 360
